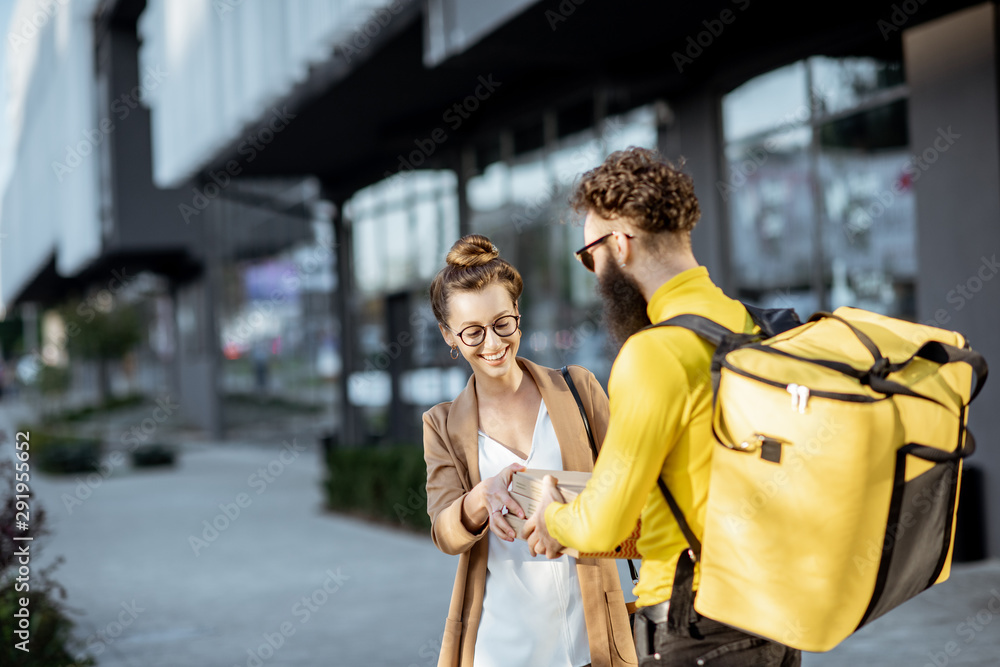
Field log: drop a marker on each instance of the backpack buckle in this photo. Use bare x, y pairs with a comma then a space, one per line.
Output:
880, 368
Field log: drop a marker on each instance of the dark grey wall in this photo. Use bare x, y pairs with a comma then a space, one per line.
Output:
146, 218
693, 133
951, 71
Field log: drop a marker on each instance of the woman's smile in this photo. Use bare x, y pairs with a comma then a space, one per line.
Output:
496, 358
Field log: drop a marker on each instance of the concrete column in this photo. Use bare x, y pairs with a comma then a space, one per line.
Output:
951, 72
350, 422
692, 129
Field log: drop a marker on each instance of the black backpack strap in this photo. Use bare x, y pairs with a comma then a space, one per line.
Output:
711, 331
773, 321
693, 542
579, 404
593, 446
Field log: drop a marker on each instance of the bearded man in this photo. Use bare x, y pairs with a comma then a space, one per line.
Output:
640, 211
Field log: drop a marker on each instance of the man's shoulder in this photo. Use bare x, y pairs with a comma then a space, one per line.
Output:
666, 341
650, 358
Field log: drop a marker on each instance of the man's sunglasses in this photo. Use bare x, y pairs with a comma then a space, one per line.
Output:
585, 254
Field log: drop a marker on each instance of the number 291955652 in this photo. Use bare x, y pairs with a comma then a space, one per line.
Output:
22, 479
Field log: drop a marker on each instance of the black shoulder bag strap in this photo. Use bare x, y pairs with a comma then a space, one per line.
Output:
593, 447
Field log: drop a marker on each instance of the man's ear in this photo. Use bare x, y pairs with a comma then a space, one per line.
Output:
624, 248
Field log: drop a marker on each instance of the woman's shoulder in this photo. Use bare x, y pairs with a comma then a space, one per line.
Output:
439, 413
579, 373
574, 369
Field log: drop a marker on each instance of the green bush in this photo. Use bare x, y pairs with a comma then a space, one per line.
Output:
59, 453
110, 405
50, 630
386, 483
53, 379
50, 640
153, 454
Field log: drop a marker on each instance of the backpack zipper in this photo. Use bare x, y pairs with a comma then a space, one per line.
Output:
802, 394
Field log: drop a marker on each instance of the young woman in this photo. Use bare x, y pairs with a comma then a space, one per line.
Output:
507, 608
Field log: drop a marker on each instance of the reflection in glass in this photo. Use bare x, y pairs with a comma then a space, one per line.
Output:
818, 187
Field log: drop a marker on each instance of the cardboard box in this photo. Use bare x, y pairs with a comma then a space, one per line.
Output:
526, 489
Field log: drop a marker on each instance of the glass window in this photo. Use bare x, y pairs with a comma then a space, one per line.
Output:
402, 227
817, 187
524, 208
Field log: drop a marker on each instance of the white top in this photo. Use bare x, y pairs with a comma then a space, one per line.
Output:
533, 608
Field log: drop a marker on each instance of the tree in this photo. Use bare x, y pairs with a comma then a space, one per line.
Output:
102, 336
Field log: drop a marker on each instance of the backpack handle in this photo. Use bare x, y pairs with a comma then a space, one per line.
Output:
935, 351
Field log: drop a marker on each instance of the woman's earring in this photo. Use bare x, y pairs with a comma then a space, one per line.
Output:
454, 352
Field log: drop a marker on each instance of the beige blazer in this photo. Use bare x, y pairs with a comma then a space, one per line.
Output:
451, 450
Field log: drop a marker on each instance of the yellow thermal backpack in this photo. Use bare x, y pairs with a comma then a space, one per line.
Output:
835, 484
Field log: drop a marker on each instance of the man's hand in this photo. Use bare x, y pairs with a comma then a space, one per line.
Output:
535, 530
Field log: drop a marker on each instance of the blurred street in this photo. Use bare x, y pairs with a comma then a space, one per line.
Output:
137, 551
220, 225
346, 592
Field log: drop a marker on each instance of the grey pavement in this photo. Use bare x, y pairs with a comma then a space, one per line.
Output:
333, 590
344, 592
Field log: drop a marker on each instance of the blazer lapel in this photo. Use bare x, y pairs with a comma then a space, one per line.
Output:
463, 431
565, 415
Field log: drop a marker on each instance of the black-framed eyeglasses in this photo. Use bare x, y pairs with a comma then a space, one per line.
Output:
475, 334
585, 254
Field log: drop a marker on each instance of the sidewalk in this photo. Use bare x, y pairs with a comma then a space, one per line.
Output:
329, 590
324, 589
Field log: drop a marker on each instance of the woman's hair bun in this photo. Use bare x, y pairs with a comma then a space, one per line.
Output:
472, 250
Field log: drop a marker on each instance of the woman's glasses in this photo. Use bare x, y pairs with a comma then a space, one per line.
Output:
476, 334
585, 254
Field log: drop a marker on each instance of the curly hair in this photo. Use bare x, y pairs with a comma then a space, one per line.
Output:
638, 184
472, 264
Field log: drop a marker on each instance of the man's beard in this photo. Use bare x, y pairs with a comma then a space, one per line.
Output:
624, 305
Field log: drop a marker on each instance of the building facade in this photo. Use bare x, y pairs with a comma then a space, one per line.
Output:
845, 157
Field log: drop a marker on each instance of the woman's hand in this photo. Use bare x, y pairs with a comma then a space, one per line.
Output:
486, 502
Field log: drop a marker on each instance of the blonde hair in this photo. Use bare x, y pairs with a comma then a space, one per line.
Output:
472, 265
